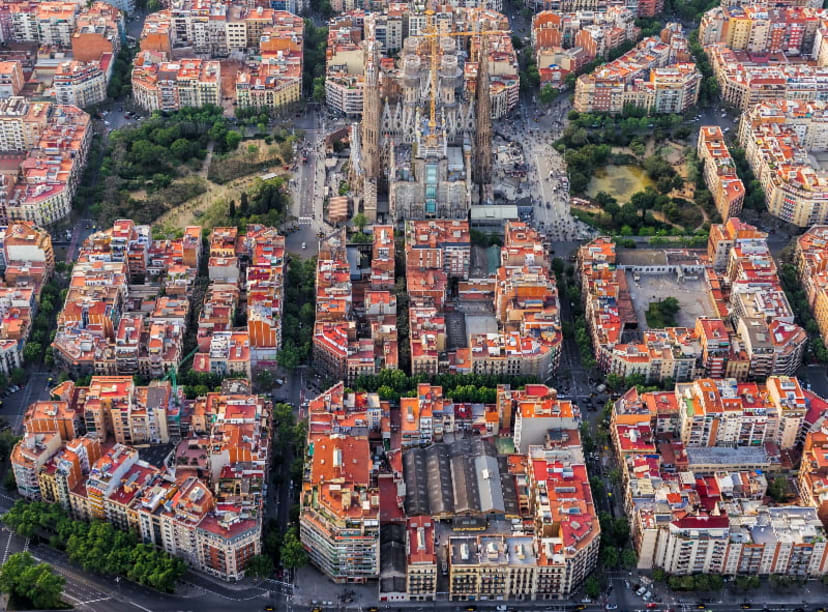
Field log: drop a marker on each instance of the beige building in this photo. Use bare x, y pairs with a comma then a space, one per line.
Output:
777, 137
720, 172
158, 84
81, 83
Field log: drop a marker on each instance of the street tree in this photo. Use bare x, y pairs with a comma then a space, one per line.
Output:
32, 351
259, 566
25, 579
592, 587
609, 557
293, 553
628, 558
359, 221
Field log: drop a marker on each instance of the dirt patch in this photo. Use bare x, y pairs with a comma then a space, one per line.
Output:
207, 208
252, 159
251, 156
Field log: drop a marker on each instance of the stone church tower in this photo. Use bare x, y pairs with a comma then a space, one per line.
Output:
370, 131
483, 131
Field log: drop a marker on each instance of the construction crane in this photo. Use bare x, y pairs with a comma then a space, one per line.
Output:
434, 36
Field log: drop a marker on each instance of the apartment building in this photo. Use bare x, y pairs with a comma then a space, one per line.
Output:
228, 355
421, 566
27, 263
339, 520
585, 36
726, 413
811, 251
387, 28
28, 456
427, 337
24, 243
337, 348
655, 76
98, 31
55, 23
274, 83
164, 85
200, 514
786, 540
340, 512
671, 483
82, 83
741, 283
439, 244
57, 140
68, 469
265, 280
720, 172
777, 136
114, 319
534, 411
745, 82
11, 79
344, 65
812, 484
383, 258
22, 123
760, 28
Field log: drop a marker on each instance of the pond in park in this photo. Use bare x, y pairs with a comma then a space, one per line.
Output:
619, 181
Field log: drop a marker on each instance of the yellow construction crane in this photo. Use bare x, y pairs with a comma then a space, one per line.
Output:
434, 35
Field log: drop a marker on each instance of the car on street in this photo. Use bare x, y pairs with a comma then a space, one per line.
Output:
652, 605
611, 606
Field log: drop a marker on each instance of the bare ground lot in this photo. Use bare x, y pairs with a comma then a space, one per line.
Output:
691, 294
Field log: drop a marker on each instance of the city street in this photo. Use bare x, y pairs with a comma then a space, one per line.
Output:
14, 405
537, 131
308, 183
535, 127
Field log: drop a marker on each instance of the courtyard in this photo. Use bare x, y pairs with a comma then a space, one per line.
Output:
690, 292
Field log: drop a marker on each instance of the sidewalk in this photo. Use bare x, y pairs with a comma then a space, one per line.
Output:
312, 586
236, 591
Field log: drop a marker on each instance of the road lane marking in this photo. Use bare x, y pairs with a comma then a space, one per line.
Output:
8, 543
91, 601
